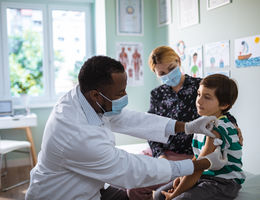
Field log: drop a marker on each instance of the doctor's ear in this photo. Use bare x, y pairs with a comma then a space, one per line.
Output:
94, 95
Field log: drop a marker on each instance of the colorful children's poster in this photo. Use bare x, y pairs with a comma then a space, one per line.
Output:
131, 57
217, 54
180, 49
247, 51
194, 67
225, 72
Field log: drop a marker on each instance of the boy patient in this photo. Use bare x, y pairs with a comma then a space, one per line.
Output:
216, 95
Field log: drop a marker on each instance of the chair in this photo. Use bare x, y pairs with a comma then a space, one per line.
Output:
7, 146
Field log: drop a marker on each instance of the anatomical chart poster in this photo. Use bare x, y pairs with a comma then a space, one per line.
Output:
247, 51
194, 68
217, 55
131, 57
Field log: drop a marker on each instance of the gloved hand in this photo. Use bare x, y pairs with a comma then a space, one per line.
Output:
216, 159
202, 125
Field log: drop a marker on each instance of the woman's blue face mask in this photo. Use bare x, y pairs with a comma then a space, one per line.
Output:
173, 78
117, 105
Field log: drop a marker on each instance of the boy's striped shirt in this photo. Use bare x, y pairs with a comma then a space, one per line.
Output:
228, 132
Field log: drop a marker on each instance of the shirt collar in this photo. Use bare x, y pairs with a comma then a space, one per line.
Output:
91, 115
222, 117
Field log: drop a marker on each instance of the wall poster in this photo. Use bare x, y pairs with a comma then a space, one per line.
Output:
188, 13
180, 49
217, 55
131, 56
247, 51
224, 72
164, 12
130, 17
212, 4
195, 66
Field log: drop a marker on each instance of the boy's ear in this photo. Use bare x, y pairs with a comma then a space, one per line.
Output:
224, 107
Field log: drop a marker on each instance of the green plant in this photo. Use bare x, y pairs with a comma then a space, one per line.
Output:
25, 61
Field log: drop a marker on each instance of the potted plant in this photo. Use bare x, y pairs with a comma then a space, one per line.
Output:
25, 61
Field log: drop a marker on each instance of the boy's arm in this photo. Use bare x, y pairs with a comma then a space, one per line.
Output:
188, 182
234, 121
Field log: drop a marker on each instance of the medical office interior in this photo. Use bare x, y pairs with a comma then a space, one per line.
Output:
99, 27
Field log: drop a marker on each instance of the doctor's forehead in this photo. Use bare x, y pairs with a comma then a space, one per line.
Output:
119, 80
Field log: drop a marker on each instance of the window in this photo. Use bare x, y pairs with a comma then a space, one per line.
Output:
68, 32
25, 55
43, 48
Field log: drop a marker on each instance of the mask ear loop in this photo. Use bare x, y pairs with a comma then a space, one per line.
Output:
99, 104
100, 107
105, 97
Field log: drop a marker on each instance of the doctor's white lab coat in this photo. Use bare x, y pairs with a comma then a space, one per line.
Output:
78, 153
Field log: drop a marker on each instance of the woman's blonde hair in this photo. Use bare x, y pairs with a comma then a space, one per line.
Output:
162, 55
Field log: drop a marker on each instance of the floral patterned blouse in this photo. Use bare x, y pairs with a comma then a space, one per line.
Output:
180, 106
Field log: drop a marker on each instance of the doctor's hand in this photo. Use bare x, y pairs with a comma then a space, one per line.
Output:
202, 125
217, 159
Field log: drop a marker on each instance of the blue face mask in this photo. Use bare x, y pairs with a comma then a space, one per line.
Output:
173, 78
117, 105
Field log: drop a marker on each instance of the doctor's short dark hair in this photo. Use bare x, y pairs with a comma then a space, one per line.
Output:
96, 72
226, 89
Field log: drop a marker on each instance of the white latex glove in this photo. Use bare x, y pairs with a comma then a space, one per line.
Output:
202, 125
216, 159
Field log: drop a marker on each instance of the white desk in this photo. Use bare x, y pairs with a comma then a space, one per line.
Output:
22, 122
134, 148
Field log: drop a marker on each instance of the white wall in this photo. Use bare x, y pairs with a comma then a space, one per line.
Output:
235, 20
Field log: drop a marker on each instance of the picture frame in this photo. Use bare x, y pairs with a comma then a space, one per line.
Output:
129, 17
164, 12
188, 12
212, 4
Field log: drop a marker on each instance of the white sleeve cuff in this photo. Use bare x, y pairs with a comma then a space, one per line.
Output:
170, 128
181, 168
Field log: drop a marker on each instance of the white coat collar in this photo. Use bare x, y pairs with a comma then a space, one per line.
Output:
90, 113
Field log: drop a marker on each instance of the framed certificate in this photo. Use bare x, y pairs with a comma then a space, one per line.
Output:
188, 13
164, 12
211, 4
129, 17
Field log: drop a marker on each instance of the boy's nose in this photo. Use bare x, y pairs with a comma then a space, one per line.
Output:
199, 101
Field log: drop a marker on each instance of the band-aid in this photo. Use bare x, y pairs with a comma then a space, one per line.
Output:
217, 142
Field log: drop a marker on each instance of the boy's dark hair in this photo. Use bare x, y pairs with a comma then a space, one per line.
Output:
225, 89
96, 72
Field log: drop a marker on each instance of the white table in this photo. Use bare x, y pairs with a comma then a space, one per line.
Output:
21, 122
134, 148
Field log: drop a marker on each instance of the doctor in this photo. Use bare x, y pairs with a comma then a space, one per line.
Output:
78, 153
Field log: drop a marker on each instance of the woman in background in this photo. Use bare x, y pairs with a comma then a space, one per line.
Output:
175, 98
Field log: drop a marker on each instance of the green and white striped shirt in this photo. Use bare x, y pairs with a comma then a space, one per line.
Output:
228, 132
